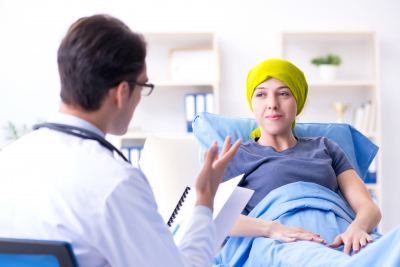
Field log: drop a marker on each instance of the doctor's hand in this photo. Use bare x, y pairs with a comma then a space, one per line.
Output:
213, 171
354, 237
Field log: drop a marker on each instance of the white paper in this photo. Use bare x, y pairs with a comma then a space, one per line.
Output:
229, 202
224, 192
231, 212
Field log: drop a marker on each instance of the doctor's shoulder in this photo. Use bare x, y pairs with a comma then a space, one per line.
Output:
26, 146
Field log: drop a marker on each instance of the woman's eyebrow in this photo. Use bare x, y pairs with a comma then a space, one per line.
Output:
281, 87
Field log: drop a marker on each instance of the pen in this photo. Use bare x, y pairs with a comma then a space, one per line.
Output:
176, 228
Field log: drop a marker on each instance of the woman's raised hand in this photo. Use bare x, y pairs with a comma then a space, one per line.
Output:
290, 234
354, 237
213, 171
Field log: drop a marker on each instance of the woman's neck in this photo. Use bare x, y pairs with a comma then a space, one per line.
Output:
279, 142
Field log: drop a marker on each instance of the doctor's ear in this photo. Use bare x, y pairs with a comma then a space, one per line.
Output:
120, 94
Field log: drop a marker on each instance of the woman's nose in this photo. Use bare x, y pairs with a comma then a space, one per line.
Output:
272, 104
272, 107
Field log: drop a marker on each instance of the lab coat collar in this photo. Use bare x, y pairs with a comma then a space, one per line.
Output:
75, 121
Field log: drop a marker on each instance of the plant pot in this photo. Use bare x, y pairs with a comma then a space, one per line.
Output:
327, 72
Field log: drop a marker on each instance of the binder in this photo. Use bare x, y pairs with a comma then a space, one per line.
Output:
210, 103
133, 155
229, 202
190, 110
196, 103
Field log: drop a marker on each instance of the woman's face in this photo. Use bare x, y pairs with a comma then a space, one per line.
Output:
274, 106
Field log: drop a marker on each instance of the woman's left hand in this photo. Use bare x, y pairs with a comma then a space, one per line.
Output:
352, 238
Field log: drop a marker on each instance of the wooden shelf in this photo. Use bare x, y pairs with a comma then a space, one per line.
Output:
181, 84
341, 83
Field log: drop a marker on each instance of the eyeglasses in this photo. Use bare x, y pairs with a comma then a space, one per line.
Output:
147, 88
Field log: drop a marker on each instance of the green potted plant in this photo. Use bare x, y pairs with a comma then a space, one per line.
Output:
327, 66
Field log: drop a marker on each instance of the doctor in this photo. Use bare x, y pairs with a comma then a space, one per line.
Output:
58, 185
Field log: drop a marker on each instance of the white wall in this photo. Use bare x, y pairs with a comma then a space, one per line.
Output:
30, 32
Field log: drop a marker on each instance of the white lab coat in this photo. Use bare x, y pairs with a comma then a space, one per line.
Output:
55, 186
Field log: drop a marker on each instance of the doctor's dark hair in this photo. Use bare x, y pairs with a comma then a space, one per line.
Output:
97, 53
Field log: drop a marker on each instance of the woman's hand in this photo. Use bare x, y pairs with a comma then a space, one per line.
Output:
289, 233
352, 238
213, 171
255, 227
368, 214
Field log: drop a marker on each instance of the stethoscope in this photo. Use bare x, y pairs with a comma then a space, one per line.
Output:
82, 133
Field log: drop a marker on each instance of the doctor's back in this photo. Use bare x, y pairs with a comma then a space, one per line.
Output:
58, 186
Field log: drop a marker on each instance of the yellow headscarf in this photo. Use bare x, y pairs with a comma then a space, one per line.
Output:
284, 71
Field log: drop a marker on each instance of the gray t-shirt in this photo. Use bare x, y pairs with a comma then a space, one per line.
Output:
316, 160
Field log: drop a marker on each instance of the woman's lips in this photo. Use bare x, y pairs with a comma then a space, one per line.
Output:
274, 117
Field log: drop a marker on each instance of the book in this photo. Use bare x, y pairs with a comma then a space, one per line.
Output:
229, 202
359, 118
372, 126
367, 118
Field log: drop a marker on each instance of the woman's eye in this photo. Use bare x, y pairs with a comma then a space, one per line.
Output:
283, 93
259, 94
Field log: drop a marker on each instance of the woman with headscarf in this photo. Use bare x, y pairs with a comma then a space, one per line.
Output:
274, 157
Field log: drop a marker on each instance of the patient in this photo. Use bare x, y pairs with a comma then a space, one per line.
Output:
275, 159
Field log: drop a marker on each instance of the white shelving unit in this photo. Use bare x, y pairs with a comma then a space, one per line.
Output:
358, 79
163, 112
342, 83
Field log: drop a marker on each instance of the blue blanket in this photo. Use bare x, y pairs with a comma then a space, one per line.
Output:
307, 205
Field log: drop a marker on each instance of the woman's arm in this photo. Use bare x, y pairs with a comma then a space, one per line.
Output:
367, 212
248, 226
